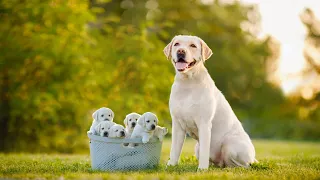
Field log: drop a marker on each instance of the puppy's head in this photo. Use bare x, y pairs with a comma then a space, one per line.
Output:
148, 121
186, 52
103, 114
117, 131
103, 128
131, 120
162, 131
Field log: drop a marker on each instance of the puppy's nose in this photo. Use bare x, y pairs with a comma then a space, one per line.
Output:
153, 126
106, 119
181, 51
133, 124
122, 133
105, 134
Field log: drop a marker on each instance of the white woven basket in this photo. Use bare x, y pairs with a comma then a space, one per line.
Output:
110, 154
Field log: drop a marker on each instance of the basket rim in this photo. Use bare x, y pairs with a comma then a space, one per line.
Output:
119, 141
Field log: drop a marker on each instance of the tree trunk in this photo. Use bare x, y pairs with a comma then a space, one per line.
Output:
4, 108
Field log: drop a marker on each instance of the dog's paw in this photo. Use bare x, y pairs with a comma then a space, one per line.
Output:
145, 140
166, 130
171, 163
202, 169
89, 133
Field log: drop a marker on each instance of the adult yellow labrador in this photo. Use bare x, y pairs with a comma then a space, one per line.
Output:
198, 108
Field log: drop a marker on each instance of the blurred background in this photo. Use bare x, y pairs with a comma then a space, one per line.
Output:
61, 60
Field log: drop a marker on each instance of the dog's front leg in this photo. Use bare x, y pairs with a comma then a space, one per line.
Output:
145, 138
178, 137
204, 143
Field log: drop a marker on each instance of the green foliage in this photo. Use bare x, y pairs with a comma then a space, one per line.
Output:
61, 60
44, 49
277, 160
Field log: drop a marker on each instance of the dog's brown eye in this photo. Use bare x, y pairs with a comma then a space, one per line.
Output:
109, 115
116, 130
154, 120
136, 119
102, 115
176, 44
148, 121
129, 119
102, 128
194, 46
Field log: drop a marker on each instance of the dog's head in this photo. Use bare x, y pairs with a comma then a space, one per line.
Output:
148, 121
131, 120
161, 131
117, 131
186, 52
103, 128
103, 114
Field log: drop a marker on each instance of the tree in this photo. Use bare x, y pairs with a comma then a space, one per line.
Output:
44, 47
312, 55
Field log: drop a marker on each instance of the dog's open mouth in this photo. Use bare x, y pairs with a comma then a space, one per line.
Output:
182, 65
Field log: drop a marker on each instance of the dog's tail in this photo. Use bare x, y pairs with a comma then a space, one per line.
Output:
235, 163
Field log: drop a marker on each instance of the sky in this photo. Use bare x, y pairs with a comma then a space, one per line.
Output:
280, 18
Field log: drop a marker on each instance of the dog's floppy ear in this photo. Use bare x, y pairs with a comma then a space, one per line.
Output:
156, 119
112, 113
206, 52
141, 121
95, 115
97, 128
167, 50
125, 121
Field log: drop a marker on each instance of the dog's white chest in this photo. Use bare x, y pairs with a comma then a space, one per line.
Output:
187, 105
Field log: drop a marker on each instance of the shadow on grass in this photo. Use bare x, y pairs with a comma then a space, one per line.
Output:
190, 164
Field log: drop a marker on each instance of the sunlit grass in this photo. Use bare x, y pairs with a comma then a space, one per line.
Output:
277, 160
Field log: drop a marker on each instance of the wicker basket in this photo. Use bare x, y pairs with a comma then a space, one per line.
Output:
110, 154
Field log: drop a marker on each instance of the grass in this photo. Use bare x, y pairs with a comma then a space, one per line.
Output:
278, 160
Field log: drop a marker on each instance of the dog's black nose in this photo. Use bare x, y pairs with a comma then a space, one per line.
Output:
153, 126
122, 133
106, 119
105, 134
181, 55
181, 51
133, 124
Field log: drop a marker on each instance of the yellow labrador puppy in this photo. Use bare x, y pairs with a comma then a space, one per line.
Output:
117, 131
130, 122
146, 126
100, 115
103, 128
198, 108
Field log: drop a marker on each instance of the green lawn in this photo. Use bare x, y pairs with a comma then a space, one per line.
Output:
278, 160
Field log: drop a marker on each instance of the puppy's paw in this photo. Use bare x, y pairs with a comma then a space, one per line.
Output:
89, 133
165, 130
145, 140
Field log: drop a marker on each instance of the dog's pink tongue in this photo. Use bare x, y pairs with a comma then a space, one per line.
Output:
181, 65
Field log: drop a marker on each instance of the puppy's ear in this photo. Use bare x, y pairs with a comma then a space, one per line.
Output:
167, 50
95, 115
97, 128
112, 113
206, 52
156, 119
141, 121
125, 121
